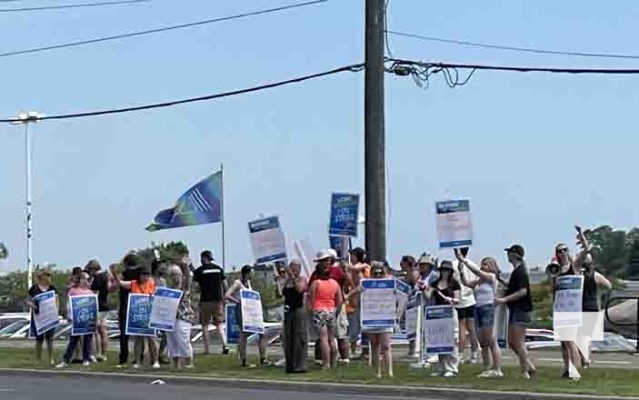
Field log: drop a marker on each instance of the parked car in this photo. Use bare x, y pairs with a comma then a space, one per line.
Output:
16, 330
8, 319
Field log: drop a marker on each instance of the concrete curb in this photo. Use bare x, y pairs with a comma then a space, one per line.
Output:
320, 387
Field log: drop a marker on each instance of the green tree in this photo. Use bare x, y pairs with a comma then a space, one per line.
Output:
168, 251
611, 249
632, 265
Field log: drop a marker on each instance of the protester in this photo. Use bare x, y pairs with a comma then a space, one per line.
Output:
212, 281
466, 314
484, 291
130, 273
358, 270
380, 338
325, 300
569, 350
42, 285
102, 283
144, 284
80, 288
294, 333
233, 295
594, 282
520, 307
179, 340
158, 273
446, 291
341, 327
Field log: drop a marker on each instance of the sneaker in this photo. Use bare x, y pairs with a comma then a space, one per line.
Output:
120, 366
136, 366
63, 364
93, 360
343, 361
156, 365
437, 374
318, 362
86, 363
449, 374
265, 362
486, 374
525, 375
281, 363
497, 373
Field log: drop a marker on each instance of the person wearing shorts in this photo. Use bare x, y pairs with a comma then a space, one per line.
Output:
325, 299
212, 283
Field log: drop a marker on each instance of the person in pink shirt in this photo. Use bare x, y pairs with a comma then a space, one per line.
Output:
80, 287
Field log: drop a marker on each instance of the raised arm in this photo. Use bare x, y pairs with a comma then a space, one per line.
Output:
118, 282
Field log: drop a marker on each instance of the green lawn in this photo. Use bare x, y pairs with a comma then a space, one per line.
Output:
595, 381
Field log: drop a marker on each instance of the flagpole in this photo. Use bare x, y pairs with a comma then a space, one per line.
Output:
223, 219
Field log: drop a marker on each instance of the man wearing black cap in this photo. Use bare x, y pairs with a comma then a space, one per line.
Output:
212, 283
520, 307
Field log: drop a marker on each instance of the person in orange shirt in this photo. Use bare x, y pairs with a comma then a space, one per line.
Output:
143, 285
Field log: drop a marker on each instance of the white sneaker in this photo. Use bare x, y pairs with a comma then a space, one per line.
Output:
436, 374
120, 366
63, 364
93, 360
449, 374
86, 363
491, 373
498, 373
281, 363
156, 365
344, 361
136, 366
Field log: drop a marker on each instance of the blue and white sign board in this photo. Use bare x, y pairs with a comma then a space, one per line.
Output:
47, 316
252, 316
378, 304
402, 292
454, 224
501, 325
164, 309
267, 240
567, 306
344, 214
232, 330
439, 327
84, 314
413, 307
138, 315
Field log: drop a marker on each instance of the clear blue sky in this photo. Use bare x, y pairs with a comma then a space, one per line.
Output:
535, 153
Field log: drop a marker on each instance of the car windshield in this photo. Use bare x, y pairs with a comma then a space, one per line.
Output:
8, 321
13, 328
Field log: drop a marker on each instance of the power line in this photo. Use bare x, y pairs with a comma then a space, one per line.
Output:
398, 65
67, 6
513, 48
351, 68
159, 30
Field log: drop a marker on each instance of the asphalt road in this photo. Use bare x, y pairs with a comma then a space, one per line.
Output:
81, 388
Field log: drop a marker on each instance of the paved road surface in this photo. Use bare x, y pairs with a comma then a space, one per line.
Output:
76, 388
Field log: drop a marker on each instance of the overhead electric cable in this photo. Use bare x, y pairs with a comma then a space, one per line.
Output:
68, 6
159, 30
82, 114
513, 48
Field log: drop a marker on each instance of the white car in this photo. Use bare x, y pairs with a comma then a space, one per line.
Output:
16, 330
10, 318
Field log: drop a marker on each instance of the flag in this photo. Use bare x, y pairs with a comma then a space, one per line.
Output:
201, 204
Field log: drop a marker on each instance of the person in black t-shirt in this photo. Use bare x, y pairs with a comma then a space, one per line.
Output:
102, 284
130, 273
212, 283
42, 285
447, 292
520, 308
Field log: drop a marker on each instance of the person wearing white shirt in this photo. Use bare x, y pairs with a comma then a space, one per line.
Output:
466, 314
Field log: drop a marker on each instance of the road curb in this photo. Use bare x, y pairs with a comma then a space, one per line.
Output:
322, 387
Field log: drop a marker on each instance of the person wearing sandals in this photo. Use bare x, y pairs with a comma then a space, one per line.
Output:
325, 300
233, 295
519, 301
484, 289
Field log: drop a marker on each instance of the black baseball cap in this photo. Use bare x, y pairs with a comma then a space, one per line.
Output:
517, 249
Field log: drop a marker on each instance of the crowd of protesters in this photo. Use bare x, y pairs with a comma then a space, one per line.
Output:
325, 309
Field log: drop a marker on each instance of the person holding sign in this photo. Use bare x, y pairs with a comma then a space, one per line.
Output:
233, 295
484, 290
295, 340
325, 301
42, 285
80, 287
520, 307
446, 291
179, 340
143, 285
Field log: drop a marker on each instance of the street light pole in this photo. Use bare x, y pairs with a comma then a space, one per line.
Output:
25, 119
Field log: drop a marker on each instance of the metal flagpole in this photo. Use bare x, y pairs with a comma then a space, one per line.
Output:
223, 219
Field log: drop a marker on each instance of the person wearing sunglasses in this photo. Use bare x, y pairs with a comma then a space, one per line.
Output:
42, 285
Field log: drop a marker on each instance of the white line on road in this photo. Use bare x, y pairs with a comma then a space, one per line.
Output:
7, 390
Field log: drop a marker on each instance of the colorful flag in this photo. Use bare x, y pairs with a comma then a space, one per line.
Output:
201, 204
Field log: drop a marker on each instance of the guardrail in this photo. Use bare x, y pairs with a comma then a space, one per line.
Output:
624, 295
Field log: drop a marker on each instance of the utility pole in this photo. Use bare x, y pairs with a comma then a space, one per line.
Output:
374, 158
25, 119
